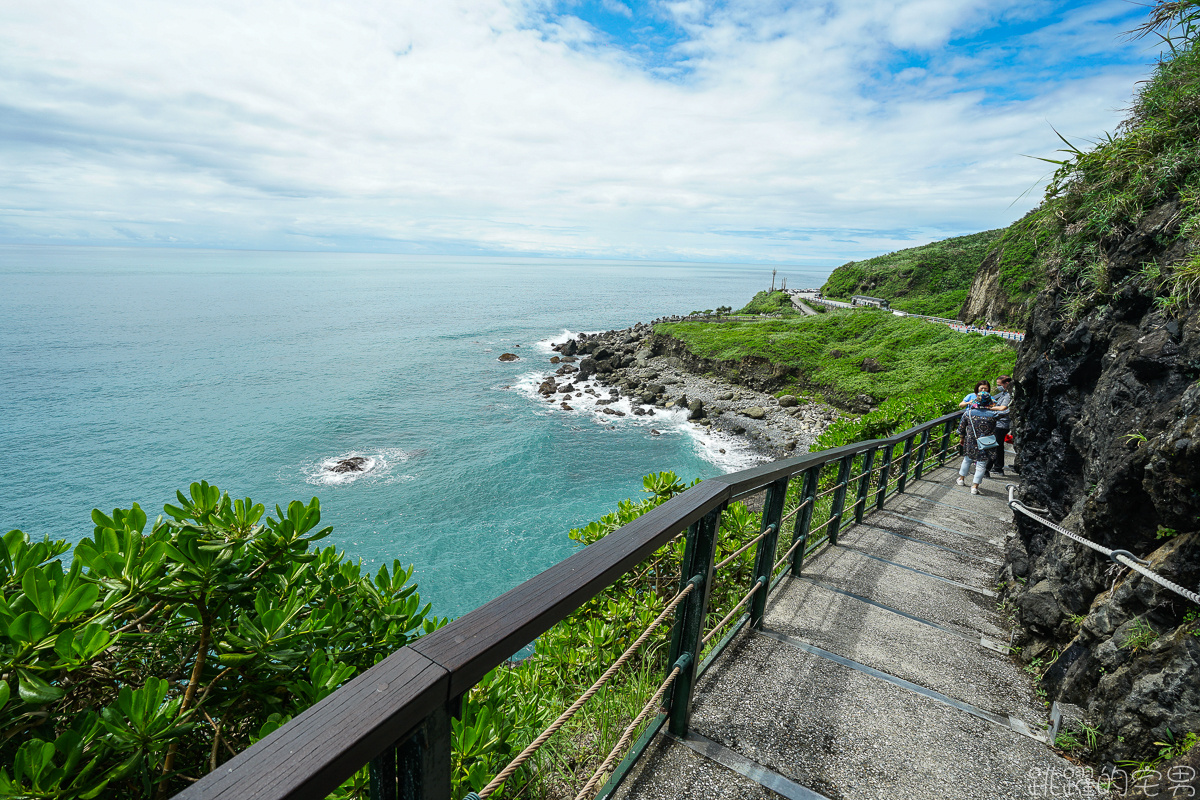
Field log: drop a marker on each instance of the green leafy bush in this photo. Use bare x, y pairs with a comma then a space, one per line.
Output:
156, 655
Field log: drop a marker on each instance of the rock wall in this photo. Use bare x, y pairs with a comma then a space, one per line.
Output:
1108, 434
986, 301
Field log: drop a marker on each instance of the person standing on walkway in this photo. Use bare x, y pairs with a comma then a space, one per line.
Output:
978, 422
982, 386
1002, 399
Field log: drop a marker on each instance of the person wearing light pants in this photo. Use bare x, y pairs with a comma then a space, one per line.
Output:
978, 421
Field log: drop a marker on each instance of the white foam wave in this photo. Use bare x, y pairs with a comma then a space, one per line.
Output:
728, 452
379, 466
547, 345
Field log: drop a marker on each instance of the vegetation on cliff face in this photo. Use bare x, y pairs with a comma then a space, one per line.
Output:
932, 279
1099, 196
1107, 417
850, 353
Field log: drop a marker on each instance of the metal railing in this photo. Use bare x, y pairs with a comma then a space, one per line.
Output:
396, 716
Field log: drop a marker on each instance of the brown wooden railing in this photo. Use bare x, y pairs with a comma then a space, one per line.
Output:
396, 715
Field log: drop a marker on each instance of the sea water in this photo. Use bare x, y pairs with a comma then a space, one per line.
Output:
125, 374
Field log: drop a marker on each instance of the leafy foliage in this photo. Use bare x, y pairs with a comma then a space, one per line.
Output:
932, 279
158, 654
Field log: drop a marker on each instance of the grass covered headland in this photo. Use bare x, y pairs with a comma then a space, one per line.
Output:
932, 279
843, 354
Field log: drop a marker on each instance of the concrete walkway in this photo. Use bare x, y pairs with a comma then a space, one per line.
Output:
881, 672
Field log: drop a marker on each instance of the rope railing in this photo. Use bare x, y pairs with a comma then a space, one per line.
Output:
830, 489
725, 621
1123, 557
627, 736
799, 541
795, 511
565, 716
745, 547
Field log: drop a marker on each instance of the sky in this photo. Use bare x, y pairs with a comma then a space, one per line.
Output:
757, 131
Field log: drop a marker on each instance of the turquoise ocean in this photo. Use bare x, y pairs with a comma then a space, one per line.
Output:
125, 374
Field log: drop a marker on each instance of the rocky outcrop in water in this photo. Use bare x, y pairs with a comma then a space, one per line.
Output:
352, 464
1108, 431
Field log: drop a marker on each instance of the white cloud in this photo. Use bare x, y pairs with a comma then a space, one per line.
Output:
479, 124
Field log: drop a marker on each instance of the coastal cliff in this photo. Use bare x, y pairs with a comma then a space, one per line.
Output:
1108, 408
1107, 412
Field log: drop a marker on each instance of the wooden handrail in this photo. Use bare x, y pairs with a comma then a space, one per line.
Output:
325, 745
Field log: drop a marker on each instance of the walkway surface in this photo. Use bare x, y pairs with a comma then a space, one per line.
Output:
881, 672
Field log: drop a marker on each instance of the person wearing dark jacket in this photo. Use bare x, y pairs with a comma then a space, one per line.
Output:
1002, 398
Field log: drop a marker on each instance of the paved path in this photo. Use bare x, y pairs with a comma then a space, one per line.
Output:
881, 672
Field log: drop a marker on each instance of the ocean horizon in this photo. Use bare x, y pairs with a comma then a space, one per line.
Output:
130, 372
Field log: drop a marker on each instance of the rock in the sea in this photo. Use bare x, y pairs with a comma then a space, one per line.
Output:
509, 357
654, 432
788, 401
569, 348
352, 464
754, 412
555, 359
696, 410
547, 386
566, 407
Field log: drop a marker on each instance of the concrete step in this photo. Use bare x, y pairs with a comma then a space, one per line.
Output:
967, 610
838, 732
941, 658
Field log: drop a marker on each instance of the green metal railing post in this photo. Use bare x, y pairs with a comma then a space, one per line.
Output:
839, 498
764, 560
686, 635
921, 453
904, 459
417, 768
864, 485
808, 494
945, 443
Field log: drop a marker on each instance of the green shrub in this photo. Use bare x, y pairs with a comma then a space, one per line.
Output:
156, 654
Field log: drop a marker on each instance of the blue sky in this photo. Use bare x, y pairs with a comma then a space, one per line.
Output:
740, 130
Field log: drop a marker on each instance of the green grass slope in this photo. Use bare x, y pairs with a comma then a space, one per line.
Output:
768, 302
931, 279
916, 356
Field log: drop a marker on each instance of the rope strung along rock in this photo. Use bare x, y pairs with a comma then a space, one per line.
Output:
626, 737
524, 755
1123, 557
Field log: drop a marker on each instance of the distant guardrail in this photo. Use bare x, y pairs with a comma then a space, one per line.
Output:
953, 324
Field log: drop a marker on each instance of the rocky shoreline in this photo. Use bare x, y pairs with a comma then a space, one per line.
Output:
630, 369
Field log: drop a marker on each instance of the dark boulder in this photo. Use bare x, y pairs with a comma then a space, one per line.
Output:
352, 464
509, 357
